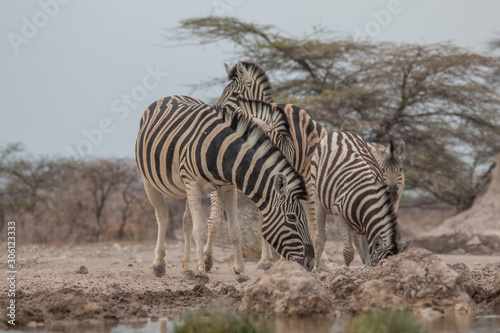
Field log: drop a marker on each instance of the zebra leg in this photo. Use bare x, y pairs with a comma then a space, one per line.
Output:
161, 213
266, 258
213, 227
228, 204
362, 245
194, 197
320, 221
345, 231
187, 228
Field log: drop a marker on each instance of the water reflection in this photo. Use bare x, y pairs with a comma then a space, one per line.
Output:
448, 324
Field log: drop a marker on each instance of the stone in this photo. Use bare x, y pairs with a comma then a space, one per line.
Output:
287, 289
416, 280
475, 241
82, 270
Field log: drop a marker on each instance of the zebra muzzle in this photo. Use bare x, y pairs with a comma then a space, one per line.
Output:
309, 257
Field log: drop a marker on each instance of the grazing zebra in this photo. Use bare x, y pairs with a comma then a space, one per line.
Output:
250, 82
187, 149
296, 134
390, 161
391, 166
349, 185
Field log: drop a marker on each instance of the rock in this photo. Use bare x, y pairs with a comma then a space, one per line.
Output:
496, 281
82, 270
92, 306
287, 289
430, 315
415, 279
475, 241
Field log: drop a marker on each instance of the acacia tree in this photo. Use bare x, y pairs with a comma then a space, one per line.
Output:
438, 98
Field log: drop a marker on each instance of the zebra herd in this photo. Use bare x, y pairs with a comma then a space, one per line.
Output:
284, 161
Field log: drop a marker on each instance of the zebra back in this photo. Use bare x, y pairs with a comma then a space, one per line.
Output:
349, 182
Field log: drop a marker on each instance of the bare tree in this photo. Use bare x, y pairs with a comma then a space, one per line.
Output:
101, 179
438, 98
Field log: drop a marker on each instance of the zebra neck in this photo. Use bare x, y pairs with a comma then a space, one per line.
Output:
383, 224
231, 104
227, 95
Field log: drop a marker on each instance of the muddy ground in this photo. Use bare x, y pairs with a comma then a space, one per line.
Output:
116, 283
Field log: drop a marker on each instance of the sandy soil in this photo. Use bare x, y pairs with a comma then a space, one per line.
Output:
52, 287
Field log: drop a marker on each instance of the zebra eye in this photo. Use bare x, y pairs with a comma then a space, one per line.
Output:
291, 218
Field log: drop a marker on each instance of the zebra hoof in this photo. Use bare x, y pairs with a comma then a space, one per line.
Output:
208, 263
201, 279
242, 278
264, 266
189, 275
159, 271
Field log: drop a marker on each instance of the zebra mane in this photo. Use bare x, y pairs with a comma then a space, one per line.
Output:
255, 136
269, 113
392, 162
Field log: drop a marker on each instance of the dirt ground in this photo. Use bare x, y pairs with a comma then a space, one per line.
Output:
116, 283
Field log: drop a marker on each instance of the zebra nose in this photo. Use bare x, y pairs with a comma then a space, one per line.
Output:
309, 257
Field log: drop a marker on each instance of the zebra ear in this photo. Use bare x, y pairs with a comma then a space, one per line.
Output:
280, 183
403, 246
401, 149
228, 70
378, 150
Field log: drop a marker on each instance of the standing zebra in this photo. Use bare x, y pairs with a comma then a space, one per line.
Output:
349, 185
290, 128
187, 149
250, 82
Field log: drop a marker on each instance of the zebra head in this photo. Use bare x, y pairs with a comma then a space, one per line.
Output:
382, 250
382, 239
390, 161
248, 81
284, 225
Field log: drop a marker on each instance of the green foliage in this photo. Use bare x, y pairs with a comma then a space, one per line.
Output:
387, 321
219, 320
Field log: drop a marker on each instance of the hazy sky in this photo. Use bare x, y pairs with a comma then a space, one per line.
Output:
76, 76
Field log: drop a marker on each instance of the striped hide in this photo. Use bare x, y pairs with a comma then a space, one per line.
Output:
349, 185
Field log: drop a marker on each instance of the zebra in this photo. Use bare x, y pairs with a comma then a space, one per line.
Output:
296, 134
289, 127
391, 166
349, 185
250, 82
187, 149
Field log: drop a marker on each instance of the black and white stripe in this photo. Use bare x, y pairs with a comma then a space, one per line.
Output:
296, 134
390, 161
349, 185
186, 149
